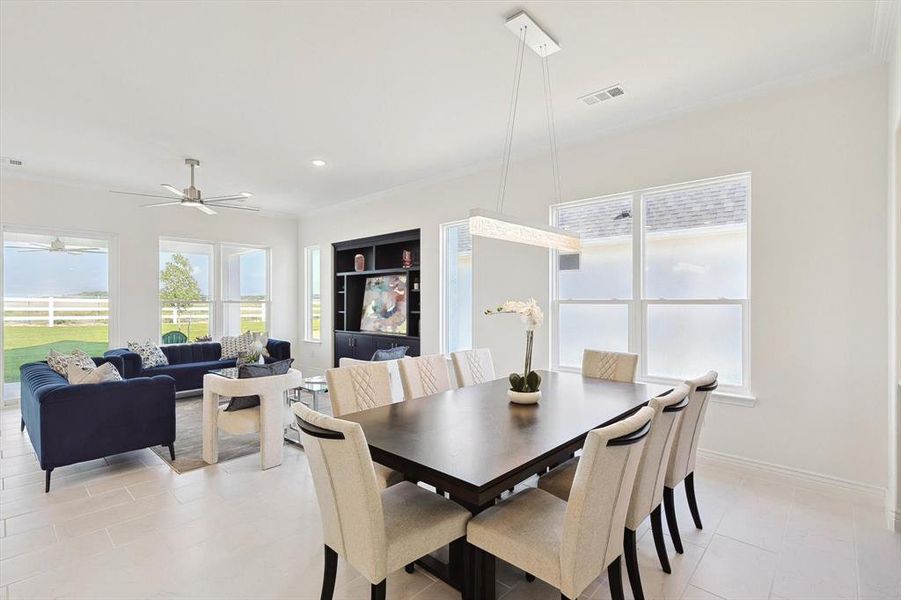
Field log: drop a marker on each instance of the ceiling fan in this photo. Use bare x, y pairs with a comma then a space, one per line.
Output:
190, 196
57, 246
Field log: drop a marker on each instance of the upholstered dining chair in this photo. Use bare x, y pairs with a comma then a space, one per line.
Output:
568, 544
473, 367
682, 457
613, 366
359, 387
377, 531
424, 375
647, 494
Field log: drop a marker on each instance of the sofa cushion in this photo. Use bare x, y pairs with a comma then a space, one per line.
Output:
189, 376
179, 354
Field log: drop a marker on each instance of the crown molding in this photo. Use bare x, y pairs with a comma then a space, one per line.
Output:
886, 23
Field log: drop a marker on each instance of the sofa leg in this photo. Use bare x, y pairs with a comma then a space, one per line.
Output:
47, 480
172, 451
22, 426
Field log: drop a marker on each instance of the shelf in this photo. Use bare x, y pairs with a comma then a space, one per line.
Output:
376, 333
340, 312
340, 291
414, 312
379, 271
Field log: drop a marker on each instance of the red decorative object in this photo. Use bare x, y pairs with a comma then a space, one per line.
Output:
407, 260
359, 262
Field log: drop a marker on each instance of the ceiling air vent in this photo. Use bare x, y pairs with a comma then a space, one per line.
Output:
606, 94
13, 162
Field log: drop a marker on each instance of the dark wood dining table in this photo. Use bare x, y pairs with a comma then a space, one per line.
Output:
474, 444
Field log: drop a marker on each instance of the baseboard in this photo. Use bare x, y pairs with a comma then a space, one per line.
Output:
870, 494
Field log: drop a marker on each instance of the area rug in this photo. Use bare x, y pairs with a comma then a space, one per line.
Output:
189, 439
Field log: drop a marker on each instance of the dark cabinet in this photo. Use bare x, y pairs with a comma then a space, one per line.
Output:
362, 346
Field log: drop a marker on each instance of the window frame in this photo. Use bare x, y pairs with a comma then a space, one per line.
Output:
216, 299
638, 305
308, 294
443, 323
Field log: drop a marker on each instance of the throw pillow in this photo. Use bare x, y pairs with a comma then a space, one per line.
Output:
59, 362
79, 374
249, 372
151, 355
234, 345
390, 353
263, 339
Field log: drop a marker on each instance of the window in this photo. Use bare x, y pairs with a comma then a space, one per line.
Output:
314, 297
195, 304
663, 273
456, 287
55, 295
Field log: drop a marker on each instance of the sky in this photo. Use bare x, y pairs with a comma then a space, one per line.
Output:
56, 274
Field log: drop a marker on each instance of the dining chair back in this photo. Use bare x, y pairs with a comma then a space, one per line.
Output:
599, 500
613, 366
681, 466
358, 387
424, 375
473, 367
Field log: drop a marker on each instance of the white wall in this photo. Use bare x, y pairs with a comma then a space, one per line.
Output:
894, 226
137, 230
819, 258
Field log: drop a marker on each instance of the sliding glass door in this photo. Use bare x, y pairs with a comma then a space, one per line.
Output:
55, 295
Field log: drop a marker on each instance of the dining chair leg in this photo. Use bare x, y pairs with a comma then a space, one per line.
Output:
669, 506
692, 499
615, 579
328, 574
657, 530
377, 590
631, 553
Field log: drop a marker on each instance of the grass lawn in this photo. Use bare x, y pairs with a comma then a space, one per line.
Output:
28, 343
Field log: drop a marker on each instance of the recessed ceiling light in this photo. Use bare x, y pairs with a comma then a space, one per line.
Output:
318, 162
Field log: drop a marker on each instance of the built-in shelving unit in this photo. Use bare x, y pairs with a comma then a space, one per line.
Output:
382, 255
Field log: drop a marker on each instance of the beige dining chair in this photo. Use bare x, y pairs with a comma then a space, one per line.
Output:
424, 375
568, 544
360, 387
377, 531
647, 494
682, 457
473, 367
613, 366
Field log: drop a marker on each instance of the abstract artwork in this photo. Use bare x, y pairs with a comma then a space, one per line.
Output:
385, 304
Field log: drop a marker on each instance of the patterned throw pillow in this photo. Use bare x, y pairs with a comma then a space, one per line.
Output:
234, 345
151, 355
390, 353
80, 374
60, 362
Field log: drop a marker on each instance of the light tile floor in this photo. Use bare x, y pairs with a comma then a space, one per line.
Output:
129, 527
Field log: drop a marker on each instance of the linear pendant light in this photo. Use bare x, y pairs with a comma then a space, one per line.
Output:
496, 224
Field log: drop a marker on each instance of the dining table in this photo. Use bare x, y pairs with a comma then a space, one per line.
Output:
474, 444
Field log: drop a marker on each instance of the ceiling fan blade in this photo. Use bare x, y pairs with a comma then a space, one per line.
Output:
172, 203
140, 194
237, 197
174, 190
250, 208
204, 209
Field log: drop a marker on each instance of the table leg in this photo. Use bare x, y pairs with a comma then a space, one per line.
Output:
315, 400
272, 431
210, 427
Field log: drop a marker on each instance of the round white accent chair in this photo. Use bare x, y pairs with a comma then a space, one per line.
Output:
568, 544
647, 494
360, 387
472, 367
424, 375
269, 418
685, 449
376, 530
612, 366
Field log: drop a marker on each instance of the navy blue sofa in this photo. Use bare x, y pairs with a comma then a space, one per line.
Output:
70, 424
188, 363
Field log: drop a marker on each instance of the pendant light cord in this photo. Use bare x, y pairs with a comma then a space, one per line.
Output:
551, 125
511, 118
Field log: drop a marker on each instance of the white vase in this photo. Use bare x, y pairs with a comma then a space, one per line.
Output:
524, 397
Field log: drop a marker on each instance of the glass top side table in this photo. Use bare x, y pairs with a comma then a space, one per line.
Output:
315, 385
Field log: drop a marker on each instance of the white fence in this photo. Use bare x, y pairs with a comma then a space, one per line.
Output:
52, 311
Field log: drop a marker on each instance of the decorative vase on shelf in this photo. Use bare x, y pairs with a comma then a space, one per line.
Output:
359, 262
407, 259
524, 388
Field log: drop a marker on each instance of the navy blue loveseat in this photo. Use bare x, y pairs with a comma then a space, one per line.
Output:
69, 424
188, 363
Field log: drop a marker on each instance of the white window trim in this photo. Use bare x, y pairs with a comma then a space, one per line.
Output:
442, 283
638, 306
308, 296
216, 301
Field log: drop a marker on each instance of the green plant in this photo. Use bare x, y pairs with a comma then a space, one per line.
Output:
529, 383
532, 316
